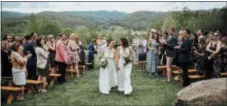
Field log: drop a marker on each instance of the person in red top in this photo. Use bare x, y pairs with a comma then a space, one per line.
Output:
61, 57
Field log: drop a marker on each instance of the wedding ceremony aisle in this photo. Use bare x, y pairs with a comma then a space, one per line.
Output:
147, 90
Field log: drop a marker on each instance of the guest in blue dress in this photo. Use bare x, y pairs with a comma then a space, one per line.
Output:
153, 54
91, 52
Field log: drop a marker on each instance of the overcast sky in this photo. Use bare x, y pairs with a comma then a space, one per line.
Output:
129, 7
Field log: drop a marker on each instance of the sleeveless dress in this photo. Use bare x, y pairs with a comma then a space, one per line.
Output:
108, 76
153, 58
124, 73
19, 77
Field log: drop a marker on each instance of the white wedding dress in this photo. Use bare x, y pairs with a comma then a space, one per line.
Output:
124, 73
108, 76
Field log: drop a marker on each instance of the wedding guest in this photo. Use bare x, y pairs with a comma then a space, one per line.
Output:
29, 48
170, 52
185, 57
42, 62
19, 68
6, 65
91, 52
224, 54
153, 54
52, 52
74, 58
214, 56
61, 57
200, 56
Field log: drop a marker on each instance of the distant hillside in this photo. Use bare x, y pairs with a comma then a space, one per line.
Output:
10, 15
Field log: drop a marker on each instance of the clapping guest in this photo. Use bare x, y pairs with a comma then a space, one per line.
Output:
42, 62
19, 68
61, 57
52, 52
214, 56
170, 52
185, 57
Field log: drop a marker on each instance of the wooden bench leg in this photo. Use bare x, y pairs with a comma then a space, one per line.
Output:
52, 81
10, 98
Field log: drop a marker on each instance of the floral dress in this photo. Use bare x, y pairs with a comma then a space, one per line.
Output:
200, 60
73, 52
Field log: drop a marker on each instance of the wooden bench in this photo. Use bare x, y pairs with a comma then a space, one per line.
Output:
53, 78
33, 85
142, 64
69, 73
11, 91
83, 68
224, 74
195, 77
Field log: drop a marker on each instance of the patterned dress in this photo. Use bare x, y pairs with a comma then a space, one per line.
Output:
200, 60
73, 52
224, 59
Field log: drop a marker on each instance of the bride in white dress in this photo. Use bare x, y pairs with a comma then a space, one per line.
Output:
124, 72
108, 75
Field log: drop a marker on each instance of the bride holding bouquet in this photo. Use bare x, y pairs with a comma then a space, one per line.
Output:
108, 74
124, 66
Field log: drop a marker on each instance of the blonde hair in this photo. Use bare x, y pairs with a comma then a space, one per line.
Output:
181, 32
72, 36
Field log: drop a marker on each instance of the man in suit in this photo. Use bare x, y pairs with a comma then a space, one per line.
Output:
170, 52
29, 49
185, 57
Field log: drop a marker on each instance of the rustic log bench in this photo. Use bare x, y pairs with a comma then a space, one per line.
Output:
142, 64
53, 78
12, 90
33, 85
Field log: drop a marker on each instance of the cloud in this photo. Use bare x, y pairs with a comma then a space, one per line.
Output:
28, 7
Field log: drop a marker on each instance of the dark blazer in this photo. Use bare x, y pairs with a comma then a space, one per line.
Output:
29, 48
170, 44
185, 51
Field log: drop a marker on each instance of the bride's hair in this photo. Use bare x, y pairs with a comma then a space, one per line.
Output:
109, 41
124, 42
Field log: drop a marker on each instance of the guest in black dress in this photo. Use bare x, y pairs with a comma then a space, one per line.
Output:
29, 48
6, 68
214, 57
82, 55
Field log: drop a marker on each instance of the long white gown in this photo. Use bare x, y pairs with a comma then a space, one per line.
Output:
108, 76
124, 73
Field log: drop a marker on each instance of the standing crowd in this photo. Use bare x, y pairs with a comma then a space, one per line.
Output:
31, 57
206, 53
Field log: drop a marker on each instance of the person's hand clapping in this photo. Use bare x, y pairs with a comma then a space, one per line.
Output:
177, 47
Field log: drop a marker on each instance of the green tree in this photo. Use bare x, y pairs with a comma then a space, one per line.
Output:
33, 24
49, 27
67, 30
83, 33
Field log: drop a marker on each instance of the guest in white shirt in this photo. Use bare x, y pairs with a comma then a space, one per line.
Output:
42, 62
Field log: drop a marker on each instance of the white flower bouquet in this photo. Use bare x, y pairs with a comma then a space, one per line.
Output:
128, 59
102, 63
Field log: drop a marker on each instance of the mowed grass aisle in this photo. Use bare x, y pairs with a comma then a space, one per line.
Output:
147, 90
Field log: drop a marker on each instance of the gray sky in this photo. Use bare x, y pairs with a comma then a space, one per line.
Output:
28, 7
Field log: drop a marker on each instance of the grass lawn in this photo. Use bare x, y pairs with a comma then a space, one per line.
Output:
147, 90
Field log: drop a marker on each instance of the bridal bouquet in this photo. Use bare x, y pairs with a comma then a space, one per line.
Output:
127, 59
102, 63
